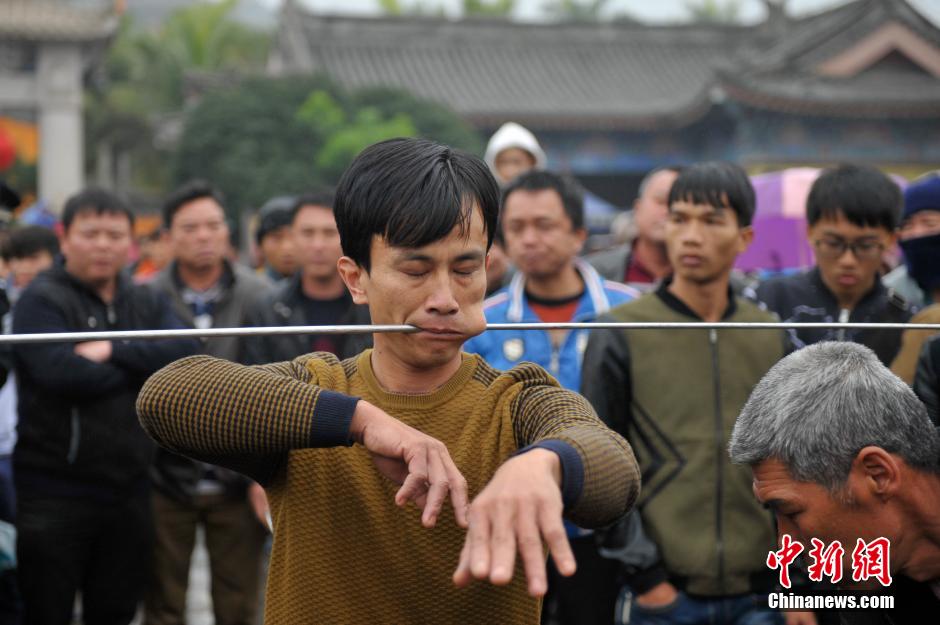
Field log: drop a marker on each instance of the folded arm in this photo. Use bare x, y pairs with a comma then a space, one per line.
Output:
144, 357
56, 367
249, 418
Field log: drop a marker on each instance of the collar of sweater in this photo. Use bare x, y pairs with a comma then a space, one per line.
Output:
420, 401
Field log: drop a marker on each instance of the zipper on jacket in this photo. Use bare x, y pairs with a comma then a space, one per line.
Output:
720, 448
74, 436
843, 318
112, 314
554, 362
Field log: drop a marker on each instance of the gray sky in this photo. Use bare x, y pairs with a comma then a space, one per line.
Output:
650, 10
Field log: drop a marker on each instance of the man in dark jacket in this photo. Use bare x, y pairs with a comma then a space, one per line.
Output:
315, 295
206, 291
853, 212
643, 261
81, 461
697, 545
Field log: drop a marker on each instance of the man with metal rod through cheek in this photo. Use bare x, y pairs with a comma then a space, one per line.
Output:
342, 448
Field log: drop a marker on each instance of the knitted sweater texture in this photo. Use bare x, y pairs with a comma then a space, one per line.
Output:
343, 551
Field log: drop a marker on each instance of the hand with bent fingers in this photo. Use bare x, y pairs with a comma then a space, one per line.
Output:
518, 509
421, 464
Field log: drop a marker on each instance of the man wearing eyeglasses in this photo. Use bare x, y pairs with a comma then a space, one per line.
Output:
853, 214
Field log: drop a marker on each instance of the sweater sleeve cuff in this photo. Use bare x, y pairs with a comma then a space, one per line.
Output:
332, 416
572, 468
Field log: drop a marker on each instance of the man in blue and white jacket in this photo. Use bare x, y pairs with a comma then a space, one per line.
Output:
543, 228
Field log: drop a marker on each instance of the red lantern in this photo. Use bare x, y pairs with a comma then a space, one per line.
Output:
7, 151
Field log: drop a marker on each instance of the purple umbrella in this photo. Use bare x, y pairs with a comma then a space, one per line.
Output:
780, 221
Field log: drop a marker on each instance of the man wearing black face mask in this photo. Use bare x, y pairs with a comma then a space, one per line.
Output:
918, 279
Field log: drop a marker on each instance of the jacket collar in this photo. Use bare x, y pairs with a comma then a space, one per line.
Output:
877, 291
677, 305
60, 273
225, 280
593, 286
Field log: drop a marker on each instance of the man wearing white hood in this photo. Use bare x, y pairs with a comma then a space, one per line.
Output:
513, 150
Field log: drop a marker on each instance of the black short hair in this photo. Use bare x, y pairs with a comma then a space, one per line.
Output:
25, 241
318, 197
411, 192
94, 200
186, 193
570, 192
863, 194
718, 184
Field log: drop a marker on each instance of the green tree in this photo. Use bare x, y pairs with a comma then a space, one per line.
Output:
343, 137
431, 120
576, 10
141, 85
488, 8
428, 8
205, 36
251, 142
714, 11
271, 136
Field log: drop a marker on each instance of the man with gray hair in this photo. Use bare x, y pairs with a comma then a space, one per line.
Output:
842, 450
643, 261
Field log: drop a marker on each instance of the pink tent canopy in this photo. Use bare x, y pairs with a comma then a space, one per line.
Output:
780, 221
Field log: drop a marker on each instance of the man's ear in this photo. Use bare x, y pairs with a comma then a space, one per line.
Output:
891, 239
354, 276
876, 471
745, 238
582, 235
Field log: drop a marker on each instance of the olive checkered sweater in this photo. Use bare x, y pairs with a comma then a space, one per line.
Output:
343, 551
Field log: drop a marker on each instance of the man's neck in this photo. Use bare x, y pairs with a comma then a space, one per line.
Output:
709, 301
923, 564
318, 288
104, 290
200, 278
566, 283
396, 376
652, 256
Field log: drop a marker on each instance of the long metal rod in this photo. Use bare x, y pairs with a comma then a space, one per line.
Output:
126, 335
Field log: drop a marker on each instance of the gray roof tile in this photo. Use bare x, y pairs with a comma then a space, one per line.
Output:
616, 75
46, 20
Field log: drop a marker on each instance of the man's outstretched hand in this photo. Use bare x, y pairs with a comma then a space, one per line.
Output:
518, 509
421, 464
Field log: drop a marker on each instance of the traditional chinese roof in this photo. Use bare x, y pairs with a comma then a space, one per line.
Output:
869, 58
543, 75
624, 74
46, 20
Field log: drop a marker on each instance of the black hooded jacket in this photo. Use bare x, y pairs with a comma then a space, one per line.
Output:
78, 430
